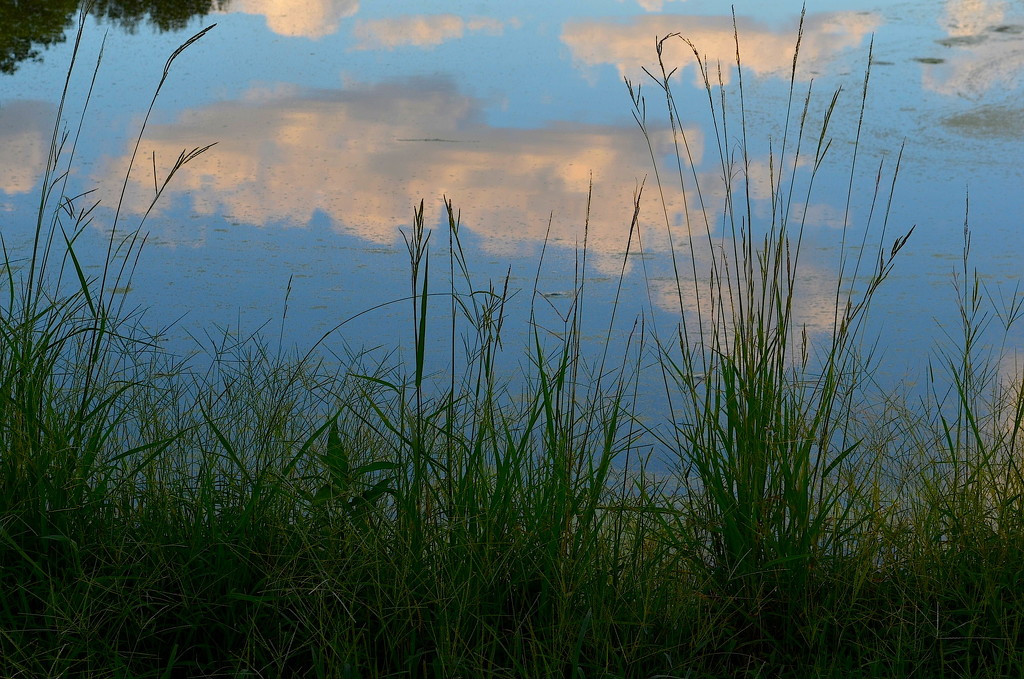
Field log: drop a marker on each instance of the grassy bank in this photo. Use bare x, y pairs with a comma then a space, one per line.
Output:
258, 513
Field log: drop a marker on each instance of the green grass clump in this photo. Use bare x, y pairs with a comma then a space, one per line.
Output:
251, 512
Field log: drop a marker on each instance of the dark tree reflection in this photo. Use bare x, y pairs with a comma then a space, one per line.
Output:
29, 26
167, 15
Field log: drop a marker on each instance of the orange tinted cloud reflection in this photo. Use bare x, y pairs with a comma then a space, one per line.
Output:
365, 155
24, 138
764, 50
653, 5
814, 296
984, 50
308, 19
420, 31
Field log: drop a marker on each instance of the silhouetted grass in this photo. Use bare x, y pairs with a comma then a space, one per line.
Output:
269, 515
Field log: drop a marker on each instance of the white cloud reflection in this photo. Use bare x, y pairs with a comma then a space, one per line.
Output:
308, 19
420, 31
764, 50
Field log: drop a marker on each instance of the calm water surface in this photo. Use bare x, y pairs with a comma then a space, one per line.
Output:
333, 118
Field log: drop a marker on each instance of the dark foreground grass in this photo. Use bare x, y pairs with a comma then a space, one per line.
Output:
268, 515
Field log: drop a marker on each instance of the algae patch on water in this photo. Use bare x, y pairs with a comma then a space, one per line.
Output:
990, 122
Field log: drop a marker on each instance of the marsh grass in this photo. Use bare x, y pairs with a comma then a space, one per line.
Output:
261, 513
763, 410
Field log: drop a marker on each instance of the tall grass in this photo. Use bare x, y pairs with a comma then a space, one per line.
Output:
66, 378
763, 409
260, 513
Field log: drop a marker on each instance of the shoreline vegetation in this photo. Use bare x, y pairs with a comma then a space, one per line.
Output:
269, 516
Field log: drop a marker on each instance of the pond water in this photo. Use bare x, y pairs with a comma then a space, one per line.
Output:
334, 118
